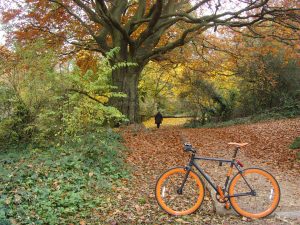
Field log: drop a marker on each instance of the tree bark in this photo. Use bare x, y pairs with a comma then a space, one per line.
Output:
126, 81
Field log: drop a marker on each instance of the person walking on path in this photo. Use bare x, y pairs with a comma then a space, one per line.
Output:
158, 119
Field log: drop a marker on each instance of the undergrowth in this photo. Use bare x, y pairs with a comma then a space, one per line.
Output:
295, 144
274, 114
63, 184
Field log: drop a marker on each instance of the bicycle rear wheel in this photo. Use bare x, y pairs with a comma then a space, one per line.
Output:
266, 197
175, 202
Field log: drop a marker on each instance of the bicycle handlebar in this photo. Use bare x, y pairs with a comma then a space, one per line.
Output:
188, 148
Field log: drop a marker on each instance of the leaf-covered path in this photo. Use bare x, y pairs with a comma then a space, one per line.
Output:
151, 151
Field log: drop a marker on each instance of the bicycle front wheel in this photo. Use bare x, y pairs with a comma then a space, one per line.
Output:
172, 198
262, 202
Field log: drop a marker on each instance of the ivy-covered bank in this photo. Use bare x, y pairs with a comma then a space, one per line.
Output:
61, 185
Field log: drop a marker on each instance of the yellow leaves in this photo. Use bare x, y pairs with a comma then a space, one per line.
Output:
17, 199
102, 99
166, 122
91, 174
157, 78
193, 64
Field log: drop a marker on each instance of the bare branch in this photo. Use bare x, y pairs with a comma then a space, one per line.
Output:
111, 20
86, 26
92, 15
179, 42
155, 18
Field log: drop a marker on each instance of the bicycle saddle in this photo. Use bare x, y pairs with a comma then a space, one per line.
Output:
238, 144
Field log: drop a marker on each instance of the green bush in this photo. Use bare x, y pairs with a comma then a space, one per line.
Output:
58, 156
43, 107
14, 129
277, 113
295, 144
269, 82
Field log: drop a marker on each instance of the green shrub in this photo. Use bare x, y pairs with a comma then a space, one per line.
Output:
295, 144
269, 82
268, 115
44, 107
14, 129
298, 155
61, 185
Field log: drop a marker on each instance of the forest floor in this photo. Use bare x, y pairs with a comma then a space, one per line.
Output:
152, 151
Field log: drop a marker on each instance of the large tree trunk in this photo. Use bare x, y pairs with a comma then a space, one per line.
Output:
126, 80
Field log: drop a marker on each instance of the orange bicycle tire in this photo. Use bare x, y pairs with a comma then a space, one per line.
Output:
235, 204
160, 200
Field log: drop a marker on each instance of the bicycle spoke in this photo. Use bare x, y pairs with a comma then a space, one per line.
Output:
266, 193
173, 201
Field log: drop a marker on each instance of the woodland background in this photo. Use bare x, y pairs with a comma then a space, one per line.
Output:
59, 98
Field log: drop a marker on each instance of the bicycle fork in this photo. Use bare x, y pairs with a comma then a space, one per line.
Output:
188, 169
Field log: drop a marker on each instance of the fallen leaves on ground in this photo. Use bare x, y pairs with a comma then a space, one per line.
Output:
153, 151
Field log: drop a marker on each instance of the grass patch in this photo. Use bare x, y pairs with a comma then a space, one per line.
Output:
61, 185
295, 144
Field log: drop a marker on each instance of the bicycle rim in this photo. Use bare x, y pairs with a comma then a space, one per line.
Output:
266, 198
170, 200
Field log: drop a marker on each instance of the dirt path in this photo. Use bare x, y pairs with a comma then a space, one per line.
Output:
152, 151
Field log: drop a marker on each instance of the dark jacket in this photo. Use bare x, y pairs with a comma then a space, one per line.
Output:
158, 118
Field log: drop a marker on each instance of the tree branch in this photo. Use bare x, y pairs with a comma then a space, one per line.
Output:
112, 21
156, 15
92, 15
179, 42
84, 93
90, 31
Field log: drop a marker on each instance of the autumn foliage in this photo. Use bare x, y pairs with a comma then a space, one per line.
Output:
147, 30
72, 72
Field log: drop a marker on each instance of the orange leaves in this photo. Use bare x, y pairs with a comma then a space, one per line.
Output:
82, 222
7, 58
152, 151
44, 19
268, 141
86, 60
9, 15
135, 35
5, 53
130, 12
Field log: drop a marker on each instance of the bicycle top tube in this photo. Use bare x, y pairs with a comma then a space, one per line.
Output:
213, 159
189, 148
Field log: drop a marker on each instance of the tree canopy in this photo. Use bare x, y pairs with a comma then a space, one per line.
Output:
145, 30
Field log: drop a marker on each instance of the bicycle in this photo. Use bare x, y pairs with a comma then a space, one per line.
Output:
252, 192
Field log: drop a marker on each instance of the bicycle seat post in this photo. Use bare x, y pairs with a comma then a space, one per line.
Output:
237, 147
235, 152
